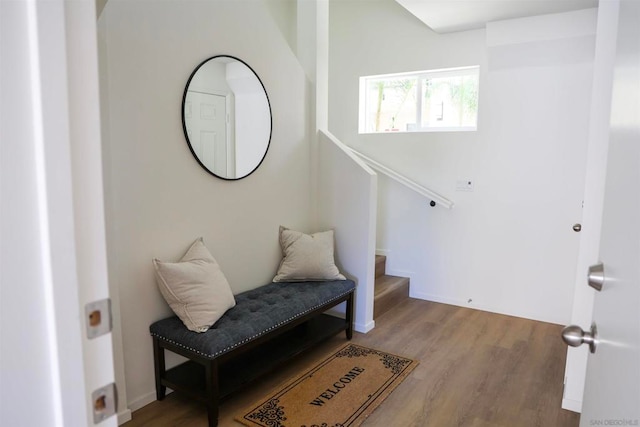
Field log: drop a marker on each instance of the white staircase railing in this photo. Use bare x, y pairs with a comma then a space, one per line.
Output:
420, 189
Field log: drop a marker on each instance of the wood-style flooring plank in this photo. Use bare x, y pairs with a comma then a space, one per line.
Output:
476, 369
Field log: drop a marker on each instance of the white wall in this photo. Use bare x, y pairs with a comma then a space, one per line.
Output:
211, 78
158, 198
284, 13
347, 204
507, 246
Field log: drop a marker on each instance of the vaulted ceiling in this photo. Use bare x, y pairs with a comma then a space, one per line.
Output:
444, 16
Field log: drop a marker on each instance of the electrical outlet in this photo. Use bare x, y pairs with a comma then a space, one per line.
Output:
464, 185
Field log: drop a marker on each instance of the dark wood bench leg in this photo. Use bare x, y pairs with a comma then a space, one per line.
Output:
213, 392
158, 362
349, 316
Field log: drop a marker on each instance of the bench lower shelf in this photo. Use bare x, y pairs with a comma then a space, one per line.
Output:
237, 371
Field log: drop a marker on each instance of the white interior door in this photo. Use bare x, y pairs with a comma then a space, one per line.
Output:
598, 146
612, 390
53, 247
206, 120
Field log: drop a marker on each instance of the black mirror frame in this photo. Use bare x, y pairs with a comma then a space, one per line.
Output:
184, 126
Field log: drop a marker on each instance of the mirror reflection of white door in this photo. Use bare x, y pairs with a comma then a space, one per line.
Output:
206, 120
612, 390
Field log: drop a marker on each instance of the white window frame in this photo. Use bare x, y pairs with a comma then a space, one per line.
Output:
421, 75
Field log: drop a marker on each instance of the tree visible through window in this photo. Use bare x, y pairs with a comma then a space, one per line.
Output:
420, 101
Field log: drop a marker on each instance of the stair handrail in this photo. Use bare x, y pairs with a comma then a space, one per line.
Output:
436, 198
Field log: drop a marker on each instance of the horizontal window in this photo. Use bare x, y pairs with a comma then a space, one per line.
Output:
423, 101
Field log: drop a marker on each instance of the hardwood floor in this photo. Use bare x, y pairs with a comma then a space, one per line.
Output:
476, 369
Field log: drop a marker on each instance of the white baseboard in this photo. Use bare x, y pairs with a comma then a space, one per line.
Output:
384, 252
437, 298
124, 416
364, 328
144, 400
484, 307
572, 405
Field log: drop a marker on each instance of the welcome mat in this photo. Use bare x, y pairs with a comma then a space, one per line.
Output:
343, 390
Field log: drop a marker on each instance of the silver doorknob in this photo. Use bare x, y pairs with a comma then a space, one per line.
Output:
577, 227
574, 336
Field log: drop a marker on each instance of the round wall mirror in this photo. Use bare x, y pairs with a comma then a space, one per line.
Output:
226, 117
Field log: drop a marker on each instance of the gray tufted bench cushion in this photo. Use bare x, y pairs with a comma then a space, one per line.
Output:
256, 313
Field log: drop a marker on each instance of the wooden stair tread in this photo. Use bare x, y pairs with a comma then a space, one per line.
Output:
386, 284
389, 292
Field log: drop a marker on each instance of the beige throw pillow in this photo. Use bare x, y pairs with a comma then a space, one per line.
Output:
306, 257
195, 288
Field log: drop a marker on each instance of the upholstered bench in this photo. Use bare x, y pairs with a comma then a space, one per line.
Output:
267, 326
